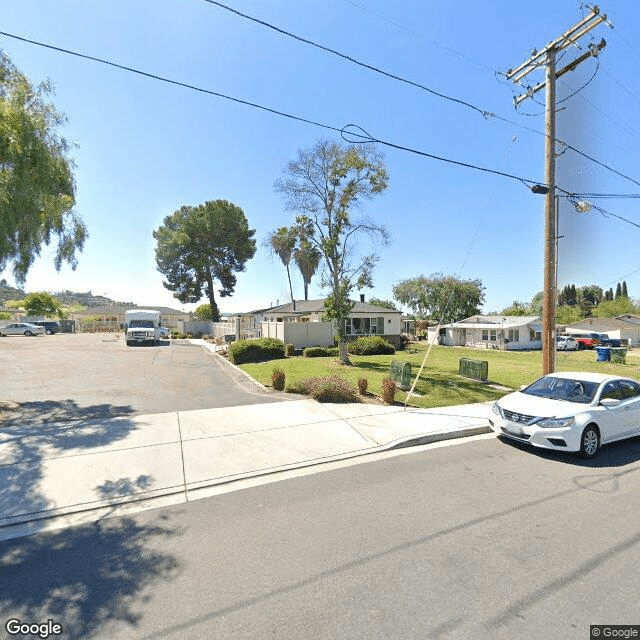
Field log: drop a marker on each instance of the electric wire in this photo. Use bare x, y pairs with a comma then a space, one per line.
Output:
622, 86
351, 133
365, 65
360, 137
435, 43
484, 112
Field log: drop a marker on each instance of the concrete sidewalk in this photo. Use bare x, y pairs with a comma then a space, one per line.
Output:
65, 473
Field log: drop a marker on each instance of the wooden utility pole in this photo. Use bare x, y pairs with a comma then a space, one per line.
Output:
547, 57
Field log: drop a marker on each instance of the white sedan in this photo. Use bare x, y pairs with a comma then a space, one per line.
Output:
21, 329
574, 411
566, 343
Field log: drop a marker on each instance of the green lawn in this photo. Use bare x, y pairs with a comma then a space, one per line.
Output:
439, 384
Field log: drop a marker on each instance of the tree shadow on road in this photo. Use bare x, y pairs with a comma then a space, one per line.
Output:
33, 432
87, 577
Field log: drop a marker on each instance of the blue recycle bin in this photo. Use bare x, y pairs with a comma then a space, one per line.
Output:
604, 354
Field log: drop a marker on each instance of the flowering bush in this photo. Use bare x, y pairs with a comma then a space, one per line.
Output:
326, 389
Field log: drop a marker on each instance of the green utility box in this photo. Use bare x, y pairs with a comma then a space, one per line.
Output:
619, 355
400, 373
476, 369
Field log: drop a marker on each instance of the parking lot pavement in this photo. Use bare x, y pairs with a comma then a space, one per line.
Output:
98, 370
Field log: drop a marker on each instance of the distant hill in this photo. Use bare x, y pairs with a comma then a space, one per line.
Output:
67, 298
9, 293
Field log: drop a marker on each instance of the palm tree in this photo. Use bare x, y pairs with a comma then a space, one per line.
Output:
307, 257
283, 242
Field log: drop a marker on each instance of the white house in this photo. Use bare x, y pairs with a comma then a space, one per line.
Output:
626, 327
512, 333
300, 323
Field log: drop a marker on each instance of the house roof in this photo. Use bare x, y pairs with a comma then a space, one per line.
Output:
303, 307
602, 325
119, 309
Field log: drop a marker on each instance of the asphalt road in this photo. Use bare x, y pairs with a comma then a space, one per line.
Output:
477, 540
99, 374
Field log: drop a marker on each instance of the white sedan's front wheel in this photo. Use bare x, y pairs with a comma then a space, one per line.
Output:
590, 441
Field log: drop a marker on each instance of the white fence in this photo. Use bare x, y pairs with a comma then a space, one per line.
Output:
300, 334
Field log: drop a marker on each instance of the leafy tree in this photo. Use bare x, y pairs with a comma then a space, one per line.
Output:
443, 298
625, 293
387, 304
537, 303
283, 242
517, 308
591, 293
5, 315
307, 257
618, 291
566, 314
37, 189
197, 245
203, 312
41, 303
617, 307
322, 186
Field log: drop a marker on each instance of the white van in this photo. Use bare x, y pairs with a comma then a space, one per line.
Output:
142, 326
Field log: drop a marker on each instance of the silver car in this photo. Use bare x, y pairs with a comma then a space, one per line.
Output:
21, 329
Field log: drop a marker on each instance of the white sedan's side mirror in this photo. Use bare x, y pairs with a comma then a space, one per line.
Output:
609, 402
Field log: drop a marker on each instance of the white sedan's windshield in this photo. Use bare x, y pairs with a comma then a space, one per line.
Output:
563, 389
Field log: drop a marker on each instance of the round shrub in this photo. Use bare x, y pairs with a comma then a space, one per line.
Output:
370, 346
320, 352
277, 379
258, 350
362, 386
388, 390
291, 349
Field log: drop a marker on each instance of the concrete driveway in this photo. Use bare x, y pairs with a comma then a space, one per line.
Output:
99, 371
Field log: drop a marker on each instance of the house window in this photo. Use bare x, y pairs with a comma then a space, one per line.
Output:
485, 334
514, 335
489, 335
364, 326
535, 335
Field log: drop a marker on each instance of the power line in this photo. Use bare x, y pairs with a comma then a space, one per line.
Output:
485, 112
360, 135
344, 56
620, 85
169, 81
350, 133
419, 35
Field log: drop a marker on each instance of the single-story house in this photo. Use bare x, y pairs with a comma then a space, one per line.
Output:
512, 333
623, 327
283, 321
112, 316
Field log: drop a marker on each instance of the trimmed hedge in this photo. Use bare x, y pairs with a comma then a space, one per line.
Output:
370, 346
326, 389
256, 350
320, 352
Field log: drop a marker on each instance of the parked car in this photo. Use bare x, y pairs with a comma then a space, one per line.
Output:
21, 329
165, 332
573, 411
606, 341
49, 327
587, 340
566, 343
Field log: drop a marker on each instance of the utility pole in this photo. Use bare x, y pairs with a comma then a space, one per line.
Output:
547, 57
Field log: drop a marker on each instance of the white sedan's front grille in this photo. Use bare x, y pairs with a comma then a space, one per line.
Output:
521, 418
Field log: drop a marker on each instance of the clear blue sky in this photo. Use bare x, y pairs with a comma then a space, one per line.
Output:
145, 148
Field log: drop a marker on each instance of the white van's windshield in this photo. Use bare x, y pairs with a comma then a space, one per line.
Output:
147, 324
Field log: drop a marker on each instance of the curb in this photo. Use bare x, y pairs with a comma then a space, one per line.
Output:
155, 495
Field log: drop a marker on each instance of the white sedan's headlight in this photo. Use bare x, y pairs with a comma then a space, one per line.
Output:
556, 423
495, 407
